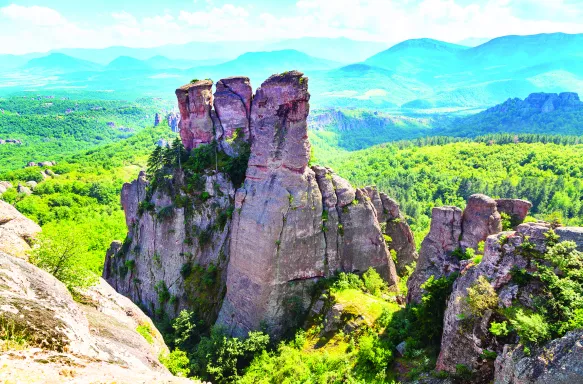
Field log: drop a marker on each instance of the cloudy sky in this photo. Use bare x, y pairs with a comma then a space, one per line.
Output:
41, 25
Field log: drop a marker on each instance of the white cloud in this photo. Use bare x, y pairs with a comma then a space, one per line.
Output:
35, 28
35, 15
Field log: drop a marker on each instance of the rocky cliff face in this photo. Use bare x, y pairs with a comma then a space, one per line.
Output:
466, 337
453, 231
93, 341
291, 224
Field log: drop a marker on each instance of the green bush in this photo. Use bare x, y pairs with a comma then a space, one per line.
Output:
531, 328
373, 282
177, 362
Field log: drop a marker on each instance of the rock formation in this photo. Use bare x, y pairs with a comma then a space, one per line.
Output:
402, 240
466, 337
157, 119
92, 341
559, 361
291, 224
16, 231
173, 121
453, 230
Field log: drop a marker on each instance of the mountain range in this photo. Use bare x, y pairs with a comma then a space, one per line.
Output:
414, 76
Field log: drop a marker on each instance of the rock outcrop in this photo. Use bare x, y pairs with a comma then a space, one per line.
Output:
279, 246
88, 339
291, 224
516, 209
195, 102
402, 240
173, 240
436, 255
466, 337
558, 362
451, 230
16, 231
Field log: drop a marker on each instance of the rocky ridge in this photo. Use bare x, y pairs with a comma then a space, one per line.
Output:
66, 340
288, 225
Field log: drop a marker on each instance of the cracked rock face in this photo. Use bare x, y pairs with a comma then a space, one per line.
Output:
293, 224
195, 101
466, 337
452, 230
559, 361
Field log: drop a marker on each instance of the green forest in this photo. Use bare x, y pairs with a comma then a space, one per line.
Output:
51, 128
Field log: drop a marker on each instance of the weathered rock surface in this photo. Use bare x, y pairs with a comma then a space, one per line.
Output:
574, 234
403, 242
435, 256
195, 101
170, 244
452, 231
480, 220
101, 332
232, 102
558, 362
515, 208
293, 225
16, 231
465, 337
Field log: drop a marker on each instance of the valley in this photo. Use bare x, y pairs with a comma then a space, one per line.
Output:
383, 216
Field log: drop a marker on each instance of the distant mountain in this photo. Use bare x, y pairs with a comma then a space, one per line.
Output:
260, 65
128, 63
539, 113
60, 63
421, 57
340, 49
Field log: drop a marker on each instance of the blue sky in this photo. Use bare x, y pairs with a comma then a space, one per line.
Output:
41, 25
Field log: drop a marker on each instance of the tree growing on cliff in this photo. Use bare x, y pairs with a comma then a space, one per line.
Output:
60, 250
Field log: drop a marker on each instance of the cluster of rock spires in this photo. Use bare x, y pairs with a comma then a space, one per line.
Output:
543, 103
465, 340
291, 224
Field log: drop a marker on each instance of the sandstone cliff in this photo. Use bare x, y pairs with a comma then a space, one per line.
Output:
452, 232
288, 224
63, 340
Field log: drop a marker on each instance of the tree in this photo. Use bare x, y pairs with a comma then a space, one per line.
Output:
61, 250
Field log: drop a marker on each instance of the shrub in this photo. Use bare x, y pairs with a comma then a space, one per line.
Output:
499, 329
531, 328
177, 362
373, 355
347, 281
145, 330
373, 282
481, 297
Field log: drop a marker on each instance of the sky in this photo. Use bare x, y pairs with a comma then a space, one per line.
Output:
41, 25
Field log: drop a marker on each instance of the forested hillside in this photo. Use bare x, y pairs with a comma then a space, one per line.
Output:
433, 172
50, 128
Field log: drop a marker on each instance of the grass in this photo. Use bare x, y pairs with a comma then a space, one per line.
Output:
368, 306
12, 337
145, 330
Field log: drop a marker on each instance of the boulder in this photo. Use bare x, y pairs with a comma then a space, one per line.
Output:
480, 220
22, 189
31, 184
6, 184
16, 231
559, 362
515, 208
